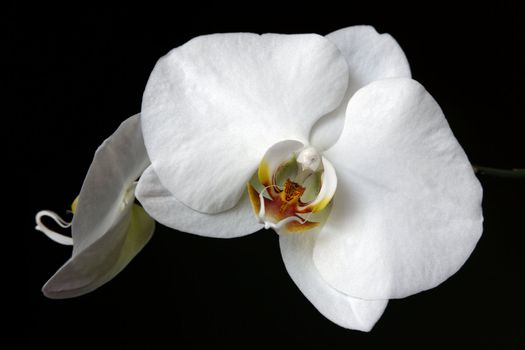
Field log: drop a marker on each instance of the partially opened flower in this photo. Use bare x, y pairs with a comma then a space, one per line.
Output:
329, 142
108, 228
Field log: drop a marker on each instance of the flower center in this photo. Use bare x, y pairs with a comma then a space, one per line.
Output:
294, 184
292, 192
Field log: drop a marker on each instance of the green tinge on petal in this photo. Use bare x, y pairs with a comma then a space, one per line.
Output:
288, 170
140, 229
313, 186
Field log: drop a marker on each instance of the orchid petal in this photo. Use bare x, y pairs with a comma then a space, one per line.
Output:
166, 209
108, 230
370, 56
328, 187
213, 106
407, 211
274, 158
338, 307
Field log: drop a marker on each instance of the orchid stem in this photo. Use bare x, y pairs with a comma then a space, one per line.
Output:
508, 173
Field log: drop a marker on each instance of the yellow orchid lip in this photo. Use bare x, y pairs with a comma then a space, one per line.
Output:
290, 190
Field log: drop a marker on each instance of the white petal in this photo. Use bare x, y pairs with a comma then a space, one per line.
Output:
407, 211
166, 209
213, 106
348, 312
371, 56
108, 230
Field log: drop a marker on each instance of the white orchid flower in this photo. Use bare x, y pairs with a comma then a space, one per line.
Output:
350, 160
108, 229
327, 140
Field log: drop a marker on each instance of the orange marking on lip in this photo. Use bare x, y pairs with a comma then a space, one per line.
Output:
283, 204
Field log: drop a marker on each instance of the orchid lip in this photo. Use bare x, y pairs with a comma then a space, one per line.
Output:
280, 224
292, 187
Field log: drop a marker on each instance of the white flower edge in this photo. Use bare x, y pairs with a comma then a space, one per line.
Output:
347, 312
167, 210
108, 229
370, 56
407, 212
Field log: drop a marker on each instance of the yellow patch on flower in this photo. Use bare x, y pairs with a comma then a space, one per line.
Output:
74, 205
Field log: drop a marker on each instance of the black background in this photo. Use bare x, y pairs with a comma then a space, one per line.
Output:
77, 73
